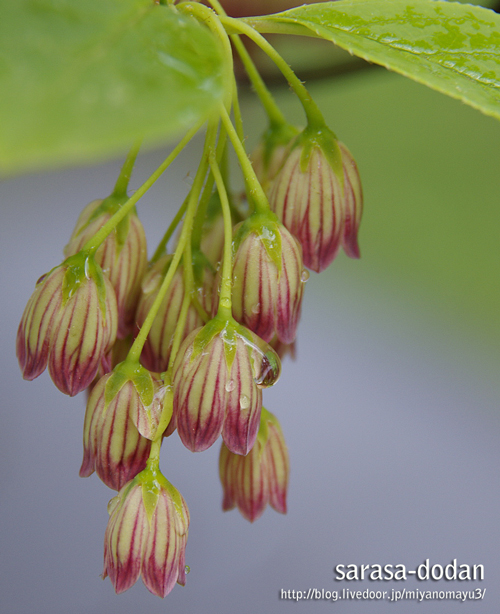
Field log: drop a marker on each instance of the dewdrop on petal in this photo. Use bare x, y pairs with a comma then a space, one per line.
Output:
69, 324
218, 376
113, 445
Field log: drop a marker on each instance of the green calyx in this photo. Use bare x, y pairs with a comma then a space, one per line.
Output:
153, 481
130, 371
226, 328
80, 268
323, 138
266, 226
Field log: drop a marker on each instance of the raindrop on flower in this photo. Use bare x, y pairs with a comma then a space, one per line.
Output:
256, 308
244, 402
304, 276
230, 385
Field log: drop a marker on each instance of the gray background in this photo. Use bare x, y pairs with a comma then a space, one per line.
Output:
390, 411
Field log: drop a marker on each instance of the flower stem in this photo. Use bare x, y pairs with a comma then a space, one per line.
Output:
170, 231
93, 244
136, 349
225, 303
253, 187
313, 114
273, 111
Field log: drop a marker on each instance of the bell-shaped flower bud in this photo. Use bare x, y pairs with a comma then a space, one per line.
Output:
217, 378
113, 447
353, 201
268, 278
146, 535
318, 197
271, 152
251, 482
69, 323
122, 256
156, 352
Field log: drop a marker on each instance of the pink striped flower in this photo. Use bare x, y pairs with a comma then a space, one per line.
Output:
146, 535
251, 482
69, 323
116, 436
217, 381
307, 196
156, 353
268, 279
122, 256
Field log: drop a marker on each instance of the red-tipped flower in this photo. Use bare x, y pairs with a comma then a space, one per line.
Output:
268, 278
122, 256
69, 323
218, 376
146, 535
117, 434
251, 482
318, 197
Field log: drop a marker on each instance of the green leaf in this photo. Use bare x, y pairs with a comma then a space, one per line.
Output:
82, 80
451, 47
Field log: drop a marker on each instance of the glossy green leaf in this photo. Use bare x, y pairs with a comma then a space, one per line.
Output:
451, 47
82, 79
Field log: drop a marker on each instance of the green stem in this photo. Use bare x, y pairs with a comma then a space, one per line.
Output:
170, 231
207, 193
140, 340
93, 244
274, 113
313, 114
181, 323
225, 303
121, 185
253, 187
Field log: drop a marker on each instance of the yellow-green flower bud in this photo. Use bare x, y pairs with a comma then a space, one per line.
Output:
218, 376
156, 353
319, 205
122, 256
268, 279
251, 482
143, 541
69, 323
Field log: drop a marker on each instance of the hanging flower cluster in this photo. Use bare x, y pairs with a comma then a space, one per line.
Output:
189, 341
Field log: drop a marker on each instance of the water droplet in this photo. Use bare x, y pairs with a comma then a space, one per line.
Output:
304, 276
244, 402
226, 303
113, 504
256, 308
187, 569
230, 385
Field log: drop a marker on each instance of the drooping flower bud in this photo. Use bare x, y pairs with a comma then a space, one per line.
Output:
217, 378
318, 197
156, 352
69, 323
122, 256
251, 482
113, 447
271, 152
146, 535
268, 279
